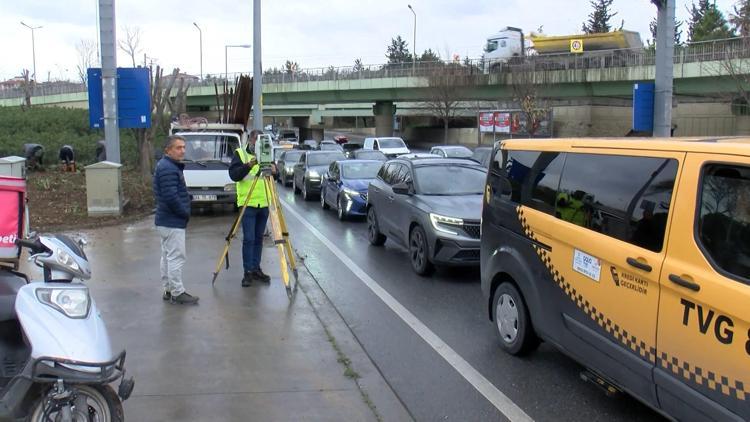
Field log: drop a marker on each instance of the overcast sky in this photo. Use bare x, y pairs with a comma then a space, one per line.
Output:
314, 33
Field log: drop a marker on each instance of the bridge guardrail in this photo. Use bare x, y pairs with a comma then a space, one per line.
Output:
717, 50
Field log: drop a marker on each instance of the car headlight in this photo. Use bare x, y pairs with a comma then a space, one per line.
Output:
71, 302
230, 187
445, 224
351, 192
313, 174
64, 258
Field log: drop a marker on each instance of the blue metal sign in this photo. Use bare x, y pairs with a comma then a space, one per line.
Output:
133, 97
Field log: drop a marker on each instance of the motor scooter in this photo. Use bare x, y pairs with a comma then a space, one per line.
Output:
56, 359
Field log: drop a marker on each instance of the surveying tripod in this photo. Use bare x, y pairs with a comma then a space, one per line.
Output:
278, 229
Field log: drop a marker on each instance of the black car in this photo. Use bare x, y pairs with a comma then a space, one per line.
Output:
309, 170
430, 205
368, 154
482, 156
285, 165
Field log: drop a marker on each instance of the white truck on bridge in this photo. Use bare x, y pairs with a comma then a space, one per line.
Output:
510, 42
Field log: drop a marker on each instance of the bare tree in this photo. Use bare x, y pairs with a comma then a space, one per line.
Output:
28, 87
734, 64
527, 85
445, 85
131, 45
160, 98
86, 50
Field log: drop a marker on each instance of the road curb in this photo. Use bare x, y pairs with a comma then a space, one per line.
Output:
384, 401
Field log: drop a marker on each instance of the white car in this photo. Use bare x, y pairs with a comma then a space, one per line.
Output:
390, 146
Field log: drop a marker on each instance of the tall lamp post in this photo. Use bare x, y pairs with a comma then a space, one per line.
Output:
33, 47
200, 35
226, 68
414, 40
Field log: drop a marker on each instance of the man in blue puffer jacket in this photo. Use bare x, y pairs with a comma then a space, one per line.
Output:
172, 215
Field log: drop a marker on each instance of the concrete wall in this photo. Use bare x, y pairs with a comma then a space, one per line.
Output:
692, 119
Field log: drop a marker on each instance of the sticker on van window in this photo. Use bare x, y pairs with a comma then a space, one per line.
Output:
587, 265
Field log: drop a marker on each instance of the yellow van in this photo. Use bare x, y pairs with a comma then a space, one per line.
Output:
630, 256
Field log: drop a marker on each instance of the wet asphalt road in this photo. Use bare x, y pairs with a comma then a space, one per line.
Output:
546, 384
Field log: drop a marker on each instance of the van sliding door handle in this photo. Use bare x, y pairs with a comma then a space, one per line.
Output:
674, 278
638, 264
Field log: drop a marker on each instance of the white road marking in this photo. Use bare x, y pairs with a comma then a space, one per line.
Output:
479, 382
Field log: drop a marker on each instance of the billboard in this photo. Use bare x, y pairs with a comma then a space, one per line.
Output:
133, 97
514, 123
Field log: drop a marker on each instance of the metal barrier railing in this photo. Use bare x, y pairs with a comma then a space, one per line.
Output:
717, 50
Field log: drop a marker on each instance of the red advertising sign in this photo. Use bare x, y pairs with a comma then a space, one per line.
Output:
486, 121
502, 122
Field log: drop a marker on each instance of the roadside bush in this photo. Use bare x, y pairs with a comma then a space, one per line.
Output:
54, 127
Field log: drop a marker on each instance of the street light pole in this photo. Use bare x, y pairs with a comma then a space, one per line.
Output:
414, 40
226, 68
200, 36
33, 46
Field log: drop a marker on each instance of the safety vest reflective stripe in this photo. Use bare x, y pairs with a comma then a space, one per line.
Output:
258, 198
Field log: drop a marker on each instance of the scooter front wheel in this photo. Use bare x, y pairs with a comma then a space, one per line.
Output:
93, 403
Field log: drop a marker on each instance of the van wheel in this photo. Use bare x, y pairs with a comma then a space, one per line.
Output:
512, 321
305, 194
373, 230
419, 252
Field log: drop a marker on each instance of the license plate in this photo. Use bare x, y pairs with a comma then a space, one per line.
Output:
204, 197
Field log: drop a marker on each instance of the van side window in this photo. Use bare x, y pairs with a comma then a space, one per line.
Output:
533, 177
724, 219
624, 197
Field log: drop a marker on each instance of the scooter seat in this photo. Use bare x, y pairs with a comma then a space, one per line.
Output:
10, 284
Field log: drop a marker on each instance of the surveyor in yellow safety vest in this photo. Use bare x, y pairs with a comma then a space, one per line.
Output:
243, 170
571, 208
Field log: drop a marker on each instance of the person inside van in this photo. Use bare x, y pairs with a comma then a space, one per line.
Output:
571, 208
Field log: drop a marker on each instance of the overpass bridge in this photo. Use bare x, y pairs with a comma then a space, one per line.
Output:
708, 69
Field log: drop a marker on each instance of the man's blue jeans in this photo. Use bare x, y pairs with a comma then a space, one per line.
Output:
253, 225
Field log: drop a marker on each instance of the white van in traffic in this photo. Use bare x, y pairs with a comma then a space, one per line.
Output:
208, 152
390, 146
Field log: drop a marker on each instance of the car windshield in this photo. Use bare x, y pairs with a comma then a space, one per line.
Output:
450, 180
360, 170
458, 152
330, 147
292, 156
324, 159
391, 143
371, 155
278, 152
204, 147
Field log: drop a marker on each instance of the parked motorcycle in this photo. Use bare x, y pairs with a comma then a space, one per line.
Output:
56, 359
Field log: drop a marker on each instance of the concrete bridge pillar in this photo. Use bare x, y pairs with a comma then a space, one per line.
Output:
384, 111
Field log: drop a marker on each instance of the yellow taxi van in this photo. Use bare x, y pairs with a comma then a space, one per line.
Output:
632, 256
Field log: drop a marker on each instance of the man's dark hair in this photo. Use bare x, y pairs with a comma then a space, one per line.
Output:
171, 139
254, 133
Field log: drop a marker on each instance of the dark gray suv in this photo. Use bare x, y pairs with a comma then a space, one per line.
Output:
430, 205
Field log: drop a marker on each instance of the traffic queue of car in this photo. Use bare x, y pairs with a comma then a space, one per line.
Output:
429, 203
630, 256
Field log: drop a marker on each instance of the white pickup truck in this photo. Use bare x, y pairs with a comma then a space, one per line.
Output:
208, 152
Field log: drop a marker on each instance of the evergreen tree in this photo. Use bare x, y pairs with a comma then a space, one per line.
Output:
707, 23
677, 33
740, 19
599, 18
358, 66
429, 56
398, 51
